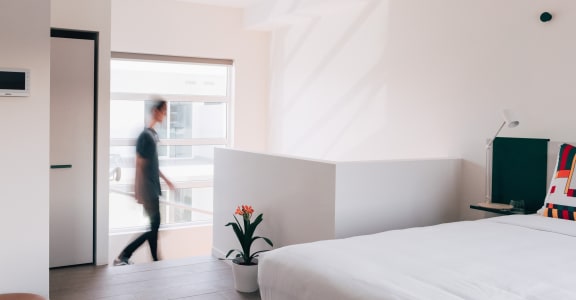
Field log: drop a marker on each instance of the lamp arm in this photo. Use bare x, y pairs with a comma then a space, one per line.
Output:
488, 175
490, 141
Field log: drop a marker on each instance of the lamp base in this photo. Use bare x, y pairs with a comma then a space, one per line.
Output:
492, 205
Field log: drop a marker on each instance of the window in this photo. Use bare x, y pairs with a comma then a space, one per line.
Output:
198, 92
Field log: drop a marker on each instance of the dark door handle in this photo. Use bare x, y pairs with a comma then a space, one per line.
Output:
60, 166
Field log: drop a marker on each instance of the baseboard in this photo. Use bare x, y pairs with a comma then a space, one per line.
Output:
218, 254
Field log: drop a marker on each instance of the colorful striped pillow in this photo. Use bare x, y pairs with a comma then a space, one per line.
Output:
560, 200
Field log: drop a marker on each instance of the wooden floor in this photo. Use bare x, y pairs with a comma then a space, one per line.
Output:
196, 278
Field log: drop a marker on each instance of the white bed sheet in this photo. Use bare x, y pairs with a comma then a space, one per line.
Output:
510, 257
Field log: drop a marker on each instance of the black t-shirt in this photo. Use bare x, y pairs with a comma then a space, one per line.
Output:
146, 147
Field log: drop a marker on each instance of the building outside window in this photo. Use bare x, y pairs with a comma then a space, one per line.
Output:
199, 98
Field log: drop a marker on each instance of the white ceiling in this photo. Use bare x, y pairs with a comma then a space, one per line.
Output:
229, 3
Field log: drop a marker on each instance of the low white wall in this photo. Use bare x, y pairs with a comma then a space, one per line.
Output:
376, 196
305, 200
295, 195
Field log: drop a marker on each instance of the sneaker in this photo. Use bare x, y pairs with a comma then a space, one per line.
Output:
122, 261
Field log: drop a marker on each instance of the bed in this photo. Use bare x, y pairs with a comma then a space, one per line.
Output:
508, 257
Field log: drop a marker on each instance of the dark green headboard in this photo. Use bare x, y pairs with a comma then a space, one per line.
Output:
519, 168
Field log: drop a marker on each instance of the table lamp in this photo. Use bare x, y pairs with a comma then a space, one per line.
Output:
509, 122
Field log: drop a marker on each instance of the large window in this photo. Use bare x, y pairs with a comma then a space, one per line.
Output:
197, 121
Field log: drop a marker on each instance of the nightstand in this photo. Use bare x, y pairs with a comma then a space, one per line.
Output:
479, 206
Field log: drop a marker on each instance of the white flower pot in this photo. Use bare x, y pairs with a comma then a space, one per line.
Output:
245, 277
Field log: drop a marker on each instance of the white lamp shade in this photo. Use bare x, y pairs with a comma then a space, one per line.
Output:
511, 122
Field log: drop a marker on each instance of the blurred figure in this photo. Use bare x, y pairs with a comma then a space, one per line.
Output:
147, 184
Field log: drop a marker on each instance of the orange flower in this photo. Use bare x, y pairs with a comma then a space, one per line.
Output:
247, 209
239, 211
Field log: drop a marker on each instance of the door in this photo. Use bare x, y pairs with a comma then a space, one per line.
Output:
72, 101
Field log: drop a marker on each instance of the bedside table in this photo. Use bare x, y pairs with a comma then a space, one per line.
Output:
479, 206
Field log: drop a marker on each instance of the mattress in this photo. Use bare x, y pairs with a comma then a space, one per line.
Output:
509, 257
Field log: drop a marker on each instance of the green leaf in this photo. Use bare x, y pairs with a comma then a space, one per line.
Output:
250, 228
256, 254
238, 223
232, 251
238, 232
265, 239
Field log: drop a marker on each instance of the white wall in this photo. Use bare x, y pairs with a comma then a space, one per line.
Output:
418, 78
295, 196
185, 29
24, 155
94, 15
375, 196
25, 33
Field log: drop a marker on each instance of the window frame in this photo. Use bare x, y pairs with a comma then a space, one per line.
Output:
227, 141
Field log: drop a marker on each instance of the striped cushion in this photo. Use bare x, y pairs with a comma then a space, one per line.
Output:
561, 197
559, 211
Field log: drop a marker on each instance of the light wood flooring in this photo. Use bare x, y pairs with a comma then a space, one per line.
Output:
195, 278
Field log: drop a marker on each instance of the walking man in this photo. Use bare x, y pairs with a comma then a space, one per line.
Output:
147, 184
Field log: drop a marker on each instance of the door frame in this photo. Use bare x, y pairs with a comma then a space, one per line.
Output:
93, 36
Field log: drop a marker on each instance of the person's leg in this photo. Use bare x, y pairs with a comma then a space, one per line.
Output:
125, 255
153, 234
129, 250
153, 211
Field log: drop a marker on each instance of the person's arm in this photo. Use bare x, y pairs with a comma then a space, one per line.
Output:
138, 182
168, 182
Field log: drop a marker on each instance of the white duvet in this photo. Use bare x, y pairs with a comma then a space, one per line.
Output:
511, 257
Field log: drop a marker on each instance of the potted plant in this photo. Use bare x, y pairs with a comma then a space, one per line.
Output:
245, 265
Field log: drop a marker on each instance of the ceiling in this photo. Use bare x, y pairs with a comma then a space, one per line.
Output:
229, 3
